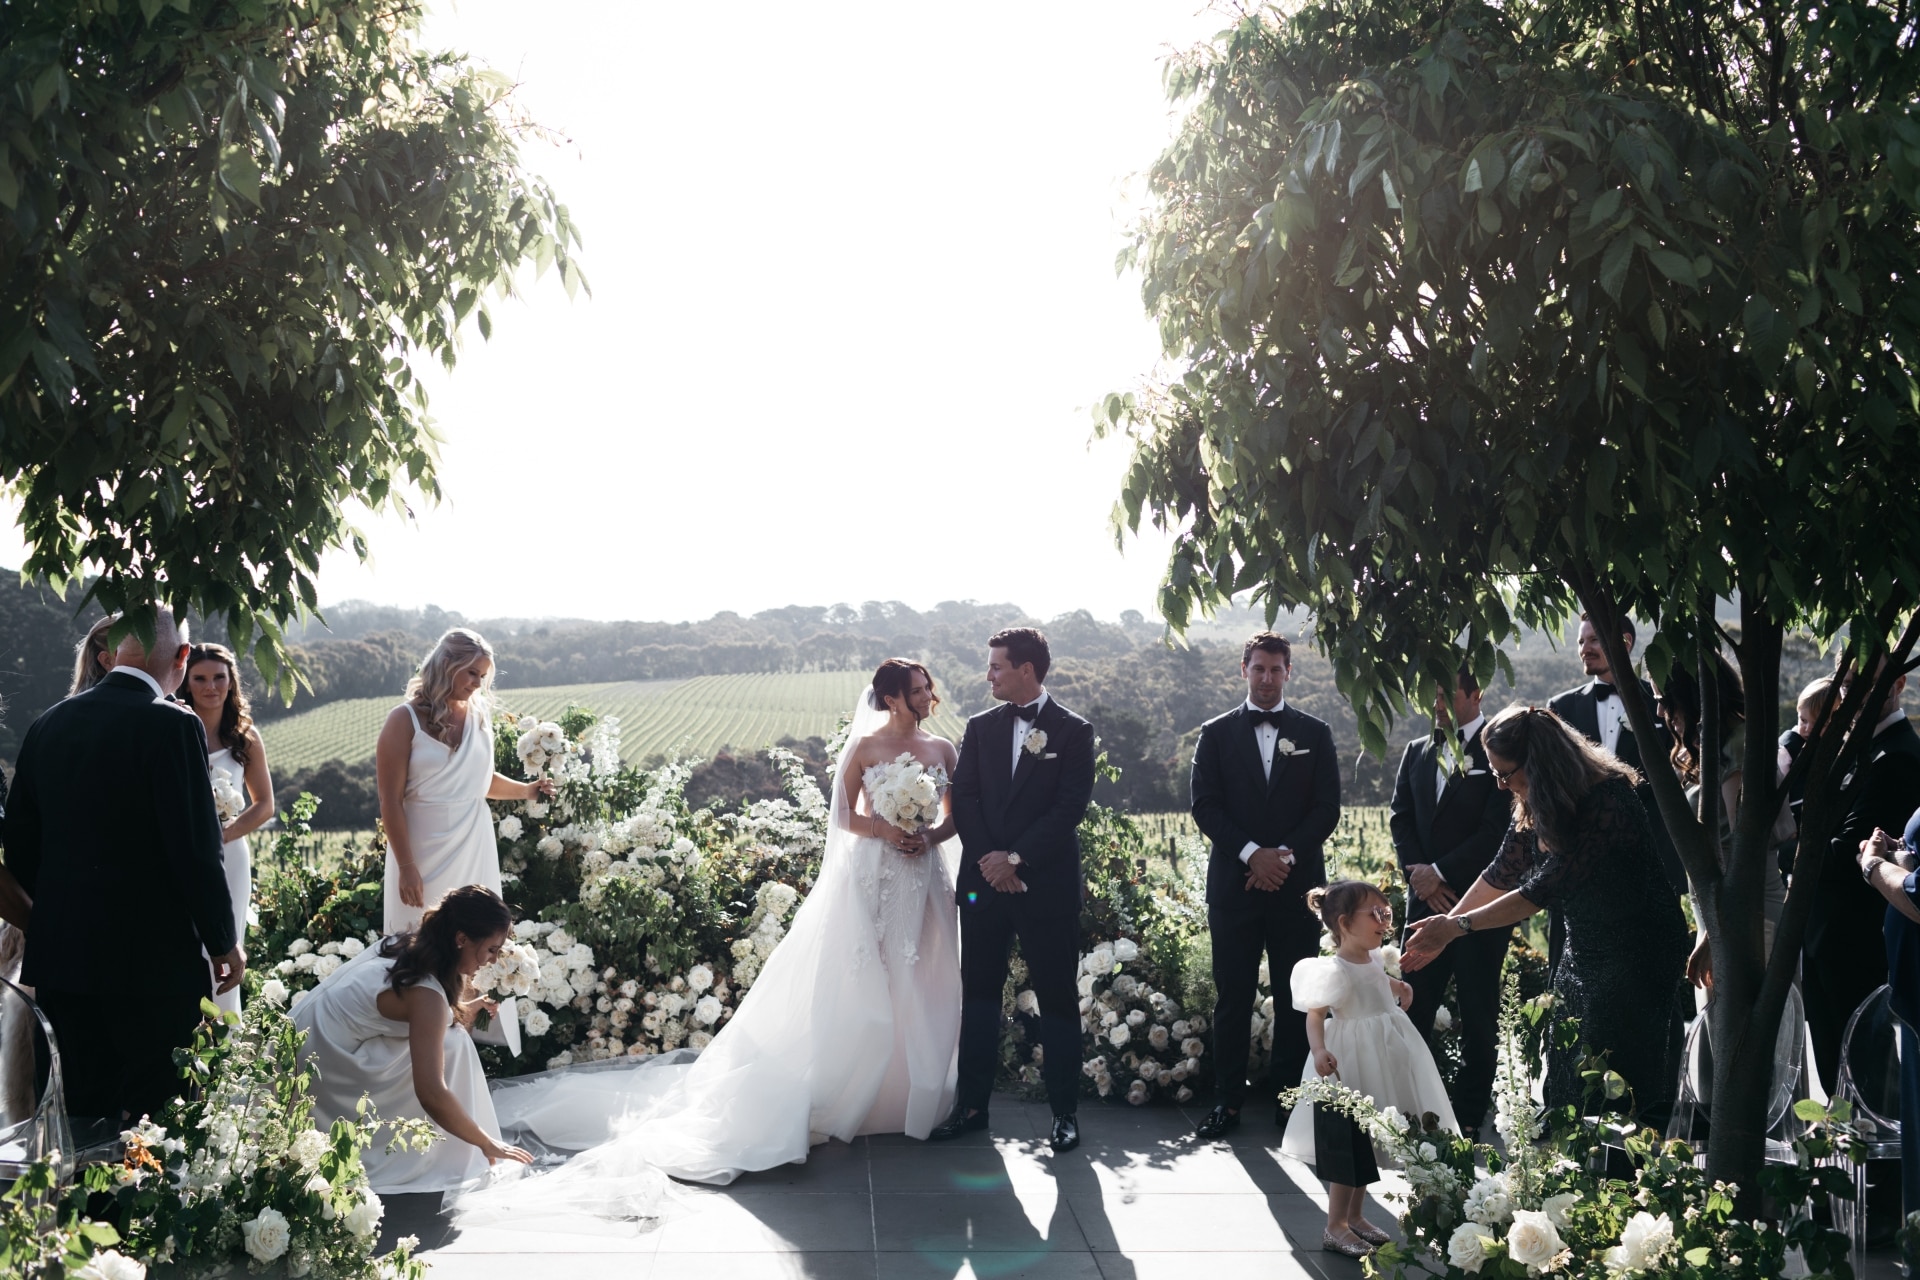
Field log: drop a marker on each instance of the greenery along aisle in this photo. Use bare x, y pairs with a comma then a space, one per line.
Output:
642, 921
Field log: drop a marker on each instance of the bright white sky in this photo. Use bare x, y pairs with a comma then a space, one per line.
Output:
853, 296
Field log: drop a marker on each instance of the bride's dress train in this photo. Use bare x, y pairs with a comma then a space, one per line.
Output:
851, 1028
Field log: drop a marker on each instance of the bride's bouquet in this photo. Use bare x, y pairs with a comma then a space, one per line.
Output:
906, 792
228, 800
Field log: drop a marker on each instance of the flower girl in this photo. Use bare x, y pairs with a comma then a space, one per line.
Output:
1359, 1033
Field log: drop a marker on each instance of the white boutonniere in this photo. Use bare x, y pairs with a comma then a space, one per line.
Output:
1036, 742
1285, 747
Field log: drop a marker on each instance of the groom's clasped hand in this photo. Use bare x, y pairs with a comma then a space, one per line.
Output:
1001, 872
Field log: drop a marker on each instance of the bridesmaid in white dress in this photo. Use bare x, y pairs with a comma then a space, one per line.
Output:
234, 751
382, 1026
434, 769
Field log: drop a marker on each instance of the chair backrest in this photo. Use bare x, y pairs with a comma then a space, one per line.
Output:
1789, 1054
33, 1120
1870, 1063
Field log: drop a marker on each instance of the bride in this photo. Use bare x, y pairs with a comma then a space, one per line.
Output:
851, 1027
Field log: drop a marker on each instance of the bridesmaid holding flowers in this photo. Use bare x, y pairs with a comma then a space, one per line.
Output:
237, 765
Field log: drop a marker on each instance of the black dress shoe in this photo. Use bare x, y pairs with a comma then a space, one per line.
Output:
959, 1121
1218, 1123
1066, 1133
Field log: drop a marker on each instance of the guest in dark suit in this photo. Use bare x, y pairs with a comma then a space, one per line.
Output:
1843, 957
1266, 793
1448, 818
1891, 869
111, 830
1019, 792
1594, 710
1807, 708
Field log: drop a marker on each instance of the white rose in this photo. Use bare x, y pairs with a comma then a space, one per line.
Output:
1126, 950
510, 828
1557, 1208
299, 947
1390, 959
1532, 1241
536, 1022
266, 1236
274, 992
1428, 1153
708, 1011
1137, 1018
1027, 1002
1119, 1036
1467, 1249
699, 978
550, 847
1443, 1019
1157, 1037
111, 1264
1099, 961
698, 1040
351, 947
1181, 1029
364, 1220
307, 1147
1643, 1243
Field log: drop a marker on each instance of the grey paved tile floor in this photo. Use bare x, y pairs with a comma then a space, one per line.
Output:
1142, 1199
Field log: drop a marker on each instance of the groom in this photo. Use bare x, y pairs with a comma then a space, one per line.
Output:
111, 830
1019, 791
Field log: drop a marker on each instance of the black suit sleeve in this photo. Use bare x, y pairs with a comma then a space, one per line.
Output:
969, 812
1324, 815
23, 819
1401, 820
1890, 788
1461, 865
1210, 810
189, 834
1056, 827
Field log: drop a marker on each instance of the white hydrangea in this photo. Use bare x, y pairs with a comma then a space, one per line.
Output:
1488, 1202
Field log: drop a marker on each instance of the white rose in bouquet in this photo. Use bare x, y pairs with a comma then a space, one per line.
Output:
267, 1236
1532, 1241
228, 800
905, 792
1467, 1249
1390, 958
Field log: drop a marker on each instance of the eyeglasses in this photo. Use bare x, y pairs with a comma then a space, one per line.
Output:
1381, 913
1501, 776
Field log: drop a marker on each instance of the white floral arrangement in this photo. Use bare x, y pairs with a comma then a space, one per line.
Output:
305, 966
1140, 1043
229, 801
906, 792
238, 1173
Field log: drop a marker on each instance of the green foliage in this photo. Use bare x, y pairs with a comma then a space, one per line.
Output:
225, 230
44, 1235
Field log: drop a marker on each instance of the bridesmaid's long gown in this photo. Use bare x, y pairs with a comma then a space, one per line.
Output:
448, 820
239, 860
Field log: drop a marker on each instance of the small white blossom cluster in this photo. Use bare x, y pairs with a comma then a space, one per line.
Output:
566, 974
514, 972
1139, 1040
779, 827
906, 792
774, 905
624, 1020
1645, 1244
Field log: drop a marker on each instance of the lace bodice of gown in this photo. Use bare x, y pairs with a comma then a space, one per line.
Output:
895, 887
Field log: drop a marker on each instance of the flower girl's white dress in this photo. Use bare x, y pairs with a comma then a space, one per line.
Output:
1378, 1051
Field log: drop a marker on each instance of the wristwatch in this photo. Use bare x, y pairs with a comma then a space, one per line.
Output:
1013, 859
1870, 866
1465, 923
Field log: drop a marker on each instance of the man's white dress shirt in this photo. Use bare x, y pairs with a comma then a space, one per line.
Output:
1267, 735
1440, 757
1021, 727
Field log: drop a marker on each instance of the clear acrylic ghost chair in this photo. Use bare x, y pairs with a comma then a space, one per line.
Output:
1869, 1081
1693, 1096
33, 1118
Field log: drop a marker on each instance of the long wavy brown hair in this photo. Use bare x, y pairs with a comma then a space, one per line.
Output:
87, 670
236, 714
431, 949
1561, 767
430, 692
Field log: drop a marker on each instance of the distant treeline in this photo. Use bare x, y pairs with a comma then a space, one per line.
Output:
1146, 698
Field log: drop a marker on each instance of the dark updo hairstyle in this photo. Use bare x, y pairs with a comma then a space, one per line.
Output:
1024, 645
1339, 900
431, 949
1680, 707
236, 714
893, 680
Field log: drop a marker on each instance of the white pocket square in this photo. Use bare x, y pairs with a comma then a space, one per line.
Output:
1476, 773
1051, 755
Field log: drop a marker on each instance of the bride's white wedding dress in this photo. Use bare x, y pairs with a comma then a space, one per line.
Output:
851, 1028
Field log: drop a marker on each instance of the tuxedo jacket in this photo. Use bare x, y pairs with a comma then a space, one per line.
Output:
1460, 830
1033, 809
1884, 792
110, 826
1580, 709
1235, 801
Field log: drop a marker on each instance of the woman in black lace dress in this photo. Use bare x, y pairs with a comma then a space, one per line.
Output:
1580, 845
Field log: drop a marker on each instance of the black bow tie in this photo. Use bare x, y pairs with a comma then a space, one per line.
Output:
1440, 736
1027, 712
1265, 717
1602, 691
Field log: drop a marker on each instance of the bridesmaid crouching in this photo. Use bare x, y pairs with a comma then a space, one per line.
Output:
392, 1024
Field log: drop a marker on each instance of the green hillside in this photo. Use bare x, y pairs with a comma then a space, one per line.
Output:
657, 717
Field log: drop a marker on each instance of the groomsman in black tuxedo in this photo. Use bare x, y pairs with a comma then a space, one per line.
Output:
111, 831
1020, 789
1448, 818
1266, 792
1595, 710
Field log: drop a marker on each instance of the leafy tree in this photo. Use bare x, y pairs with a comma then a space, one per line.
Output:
226, 227
1477, 315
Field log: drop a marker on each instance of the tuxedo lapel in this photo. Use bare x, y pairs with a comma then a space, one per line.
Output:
1029, 760
1281, 759
1249, 734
